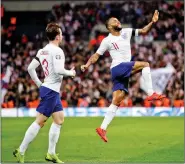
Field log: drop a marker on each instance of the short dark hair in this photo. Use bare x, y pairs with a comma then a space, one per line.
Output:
107, 22
52, 30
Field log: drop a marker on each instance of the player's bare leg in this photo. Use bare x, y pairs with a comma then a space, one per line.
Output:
146, 75
30, 134
111, 112
54, 133
138, 66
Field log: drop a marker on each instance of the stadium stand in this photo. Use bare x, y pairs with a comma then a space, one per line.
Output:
83, 29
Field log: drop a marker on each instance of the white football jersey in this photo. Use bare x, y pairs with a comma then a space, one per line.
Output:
47, 57
118, 46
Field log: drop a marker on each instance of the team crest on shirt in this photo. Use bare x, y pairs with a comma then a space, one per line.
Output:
124, 36
58, 57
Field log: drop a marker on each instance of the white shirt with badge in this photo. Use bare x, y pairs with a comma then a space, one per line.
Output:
52, 60
118, 46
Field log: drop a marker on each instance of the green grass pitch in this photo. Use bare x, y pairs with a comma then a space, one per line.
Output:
131, 140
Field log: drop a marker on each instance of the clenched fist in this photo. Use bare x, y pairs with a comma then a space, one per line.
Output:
74, 72
84, 68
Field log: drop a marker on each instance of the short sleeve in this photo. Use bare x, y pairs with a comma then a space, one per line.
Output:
128, 32
131, 32
58, 56
103, 47
38, 55
137, 32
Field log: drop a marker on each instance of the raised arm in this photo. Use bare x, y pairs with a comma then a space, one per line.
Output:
147, 28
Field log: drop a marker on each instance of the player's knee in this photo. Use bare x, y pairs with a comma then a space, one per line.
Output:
146, 64
117, 100
117, 103
41, 124
59, 122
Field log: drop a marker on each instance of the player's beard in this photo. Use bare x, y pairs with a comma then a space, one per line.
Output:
60, 43
116, 28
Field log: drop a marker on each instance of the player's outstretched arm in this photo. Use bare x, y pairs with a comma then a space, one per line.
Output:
147, 28
31, 70
93, 59
59, 67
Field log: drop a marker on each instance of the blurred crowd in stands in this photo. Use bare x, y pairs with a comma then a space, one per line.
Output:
83, 30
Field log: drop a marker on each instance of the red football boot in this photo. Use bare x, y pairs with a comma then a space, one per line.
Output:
102, 134
155, 96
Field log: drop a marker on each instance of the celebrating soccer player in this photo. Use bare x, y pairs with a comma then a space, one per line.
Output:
52, 60
118, 45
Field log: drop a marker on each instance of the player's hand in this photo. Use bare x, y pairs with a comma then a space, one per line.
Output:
84, 68
74, 72
155, 16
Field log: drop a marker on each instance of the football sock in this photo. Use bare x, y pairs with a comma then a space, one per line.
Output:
54, 134
111, 112
147, 80
30, 134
